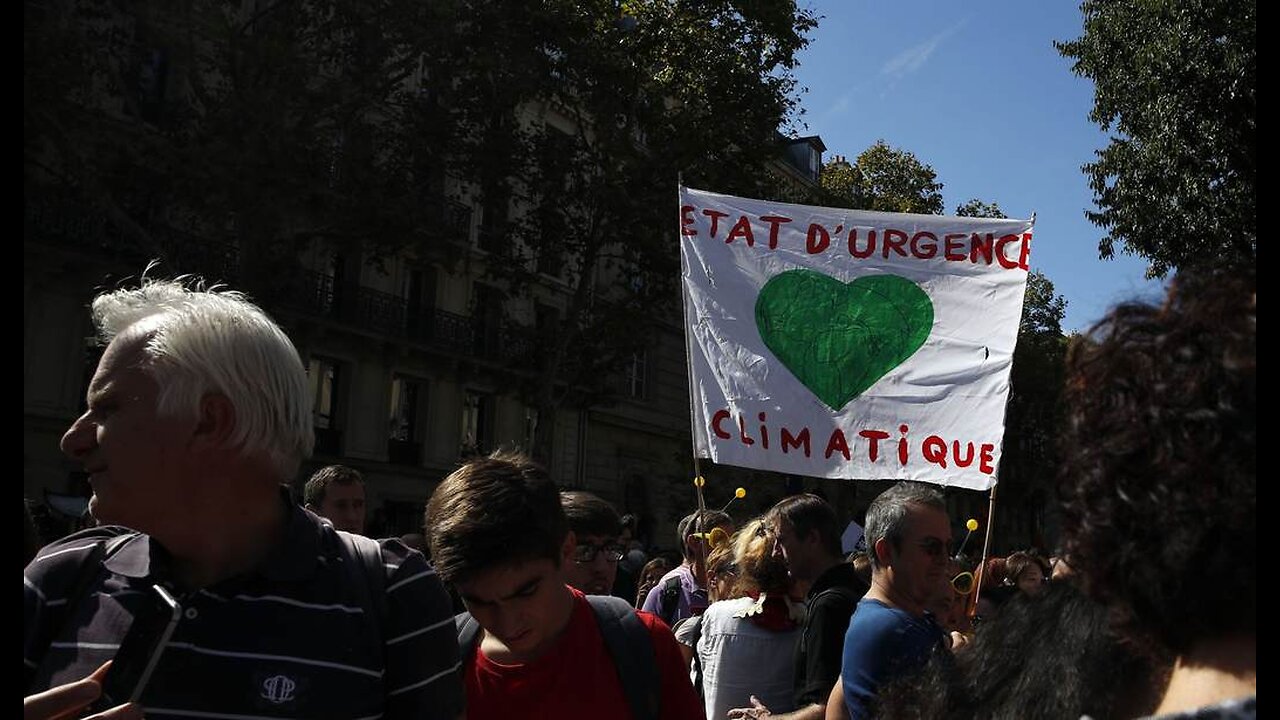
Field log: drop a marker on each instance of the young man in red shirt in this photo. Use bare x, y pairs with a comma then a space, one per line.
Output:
498, 533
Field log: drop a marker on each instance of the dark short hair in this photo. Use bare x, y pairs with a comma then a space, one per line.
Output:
313, 492
807, 513
699, 521
1018, 562
493, 511
887, 516
588, 514
1158, 477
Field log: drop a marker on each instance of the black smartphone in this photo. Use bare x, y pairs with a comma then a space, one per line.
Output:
140, 651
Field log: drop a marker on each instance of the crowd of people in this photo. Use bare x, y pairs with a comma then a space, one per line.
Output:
198, 418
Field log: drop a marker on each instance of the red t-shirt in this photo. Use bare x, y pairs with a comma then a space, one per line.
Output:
576, 678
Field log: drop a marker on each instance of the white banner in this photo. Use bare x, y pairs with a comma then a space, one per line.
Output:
850, 344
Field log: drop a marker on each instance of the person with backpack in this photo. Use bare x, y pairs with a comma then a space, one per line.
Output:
533, 646
197, 417
682, 592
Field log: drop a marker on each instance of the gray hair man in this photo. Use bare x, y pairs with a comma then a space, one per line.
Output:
909, 543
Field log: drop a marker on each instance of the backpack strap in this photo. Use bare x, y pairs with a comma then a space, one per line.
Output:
631, 647
468, 634
88, 571
626, 638
363, 557
669, 600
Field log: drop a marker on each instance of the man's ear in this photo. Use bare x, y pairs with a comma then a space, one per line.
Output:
215, 422
884, 552
568, 547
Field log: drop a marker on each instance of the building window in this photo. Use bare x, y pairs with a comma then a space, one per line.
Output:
404, 433
325, 376
530, 427
402, 517
486, 318
634, 380
477, 421
419, 293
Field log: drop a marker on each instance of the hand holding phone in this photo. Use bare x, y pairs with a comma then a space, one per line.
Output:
140, 651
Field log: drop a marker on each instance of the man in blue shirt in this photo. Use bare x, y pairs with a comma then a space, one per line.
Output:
890, 635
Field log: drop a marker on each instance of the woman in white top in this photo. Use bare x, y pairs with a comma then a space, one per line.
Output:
747, 644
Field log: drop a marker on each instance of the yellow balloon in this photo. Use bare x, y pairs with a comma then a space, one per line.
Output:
972, 524
740, 493
717, 536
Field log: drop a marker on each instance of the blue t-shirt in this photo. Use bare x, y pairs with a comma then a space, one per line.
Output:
882, 644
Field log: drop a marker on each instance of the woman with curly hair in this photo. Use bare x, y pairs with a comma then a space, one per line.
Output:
748, 642
1159, 483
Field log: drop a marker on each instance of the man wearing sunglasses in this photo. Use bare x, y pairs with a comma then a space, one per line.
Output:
596, 526
890, 635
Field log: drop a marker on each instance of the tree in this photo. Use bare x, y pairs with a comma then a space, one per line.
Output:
568, 123
265, 131
978, 208
1176, 83
884, 178
579, 120
1028, 460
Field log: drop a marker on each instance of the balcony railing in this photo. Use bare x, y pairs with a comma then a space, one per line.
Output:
64, 222
67, 223
389, 314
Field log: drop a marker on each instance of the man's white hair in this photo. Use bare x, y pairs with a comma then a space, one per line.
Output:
200, 340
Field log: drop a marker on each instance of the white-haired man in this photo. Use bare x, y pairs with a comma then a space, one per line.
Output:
198, 413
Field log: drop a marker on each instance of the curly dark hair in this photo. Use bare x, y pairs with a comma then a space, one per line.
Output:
1158, 479
1053, 655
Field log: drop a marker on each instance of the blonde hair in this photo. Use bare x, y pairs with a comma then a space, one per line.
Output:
758, 569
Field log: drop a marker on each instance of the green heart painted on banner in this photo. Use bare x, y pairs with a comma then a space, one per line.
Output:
840, 338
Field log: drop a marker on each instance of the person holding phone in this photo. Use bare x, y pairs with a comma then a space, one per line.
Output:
198, 414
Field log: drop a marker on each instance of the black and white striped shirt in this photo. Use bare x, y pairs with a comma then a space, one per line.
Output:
291, 639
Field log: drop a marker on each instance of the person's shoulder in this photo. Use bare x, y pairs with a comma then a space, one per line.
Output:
678, 572
74, 549
406, 567
841, 596
726, 608
873, 616
654, 624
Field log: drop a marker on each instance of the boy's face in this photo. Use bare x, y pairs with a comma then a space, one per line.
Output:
595, 564
522, 606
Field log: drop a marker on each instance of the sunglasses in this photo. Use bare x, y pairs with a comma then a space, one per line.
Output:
585, 553
935, 548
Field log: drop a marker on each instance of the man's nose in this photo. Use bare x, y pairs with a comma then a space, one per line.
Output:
79, 439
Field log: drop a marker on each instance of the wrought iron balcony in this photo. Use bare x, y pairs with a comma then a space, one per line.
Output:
59, 221
369, 309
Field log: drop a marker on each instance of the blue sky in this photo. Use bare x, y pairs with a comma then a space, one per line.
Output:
976, 90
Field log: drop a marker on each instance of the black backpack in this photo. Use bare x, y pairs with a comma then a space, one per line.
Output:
629, 644
669, 601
